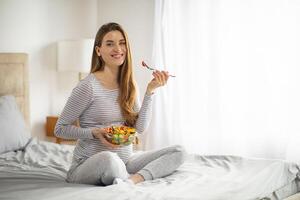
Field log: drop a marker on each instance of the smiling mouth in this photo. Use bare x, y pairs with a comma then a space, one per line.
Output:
117, 56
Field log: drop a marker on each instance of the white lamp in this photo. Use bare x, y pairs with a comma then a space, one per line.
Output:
75, 55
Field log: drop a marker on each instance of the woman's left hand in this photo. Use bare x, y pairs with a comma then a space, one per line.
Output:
160, 79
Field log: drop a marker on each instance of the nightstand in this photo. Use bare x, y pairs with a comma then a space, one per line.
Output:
50, 125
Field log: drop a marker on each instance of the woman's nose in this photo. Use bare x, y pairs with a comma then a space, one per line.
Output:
117, 48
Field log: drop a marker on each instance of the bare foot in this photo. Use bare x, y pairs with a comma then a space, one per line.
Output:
136, 178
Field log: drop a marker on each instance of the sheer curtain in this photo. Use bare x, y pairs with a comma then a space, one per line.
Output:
237, 89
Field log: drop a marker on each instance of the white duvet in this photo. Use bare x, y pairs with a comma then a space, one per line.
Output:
40, 172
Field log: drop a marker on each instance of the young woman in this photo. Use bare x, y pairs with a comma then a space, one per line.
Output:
108, 96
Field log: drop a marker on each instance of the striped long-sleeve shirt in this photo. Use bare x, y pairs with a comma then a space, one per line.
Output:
96, 106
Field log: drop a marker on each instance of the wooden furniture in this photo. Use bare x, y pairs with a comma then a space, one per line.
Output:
50, 125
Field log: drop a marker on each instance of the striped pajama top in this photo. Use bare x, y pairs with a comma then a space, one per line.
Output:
96, 106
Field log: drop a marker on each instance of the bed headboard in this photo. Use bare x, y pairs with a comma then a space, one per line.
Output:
14, 80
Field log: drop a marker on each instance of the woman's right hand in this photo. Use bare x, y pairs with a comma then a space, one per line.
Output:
99, 133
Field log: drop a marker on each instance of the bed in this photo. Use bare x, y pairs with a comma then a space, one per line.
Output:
33, 169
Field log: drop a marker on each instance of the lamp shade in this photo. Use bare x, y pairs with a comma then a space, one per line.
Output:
75, 55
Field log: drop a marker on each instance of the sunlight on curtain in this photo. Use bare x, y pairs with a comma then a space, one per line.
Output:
237, 89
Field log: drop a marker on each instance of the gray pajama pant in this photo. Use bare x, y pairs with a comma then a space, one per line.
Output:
103, 167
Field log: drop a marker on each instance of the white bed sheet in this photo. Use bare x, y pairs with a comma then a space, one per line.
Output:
40, 172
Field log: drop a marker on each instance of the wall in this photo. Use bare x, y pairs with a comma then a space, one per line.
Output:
34, 27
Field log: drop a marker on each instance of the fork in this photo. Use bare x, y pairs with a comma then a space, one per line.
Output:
152, 69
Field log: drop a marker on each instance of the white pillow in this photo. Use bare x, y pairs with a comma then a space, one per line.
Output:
14, 134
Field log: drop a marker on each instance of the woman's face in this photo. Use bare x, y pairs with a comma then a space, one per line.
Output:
113, 49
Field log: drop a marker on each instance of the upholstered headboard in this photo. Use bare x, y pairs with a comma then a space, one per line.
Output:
14, 79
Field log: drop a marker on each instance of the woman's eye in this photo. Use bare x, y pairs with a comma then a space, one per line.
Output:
123, 43
109, 44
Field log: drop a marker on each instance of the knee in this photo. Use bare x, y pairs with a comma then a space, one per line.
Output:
107, 157
180, 153
110, 160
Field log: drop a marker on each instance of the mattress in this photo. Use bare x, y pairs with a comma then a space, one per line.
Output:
39, 172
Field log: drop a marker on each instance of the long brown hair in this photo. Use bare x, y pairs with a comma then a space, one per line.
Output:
127, 91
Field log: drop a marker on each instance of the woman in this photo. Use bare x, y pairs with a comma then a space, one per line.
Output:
107, 96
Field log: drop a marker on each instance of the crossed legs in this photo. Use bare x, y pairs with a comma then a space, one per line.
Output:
102, 168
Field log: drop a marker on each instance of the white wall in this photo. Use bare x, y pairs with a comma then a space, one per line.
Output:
34, 27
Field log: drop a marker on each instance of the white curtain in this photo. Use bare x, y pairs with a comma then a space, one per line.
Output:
237, 89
